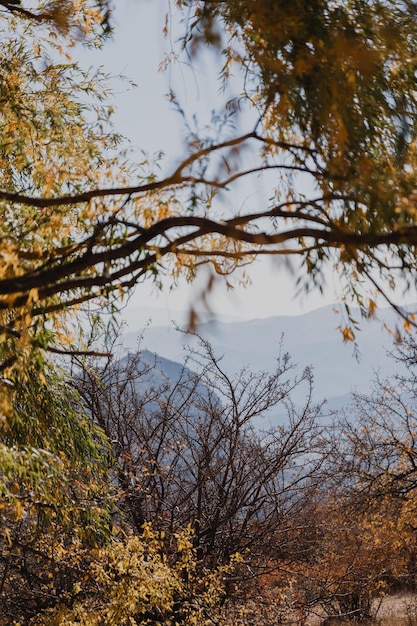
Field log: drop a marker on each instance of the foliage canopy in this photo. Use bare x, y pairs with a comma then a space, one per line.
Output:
333, 88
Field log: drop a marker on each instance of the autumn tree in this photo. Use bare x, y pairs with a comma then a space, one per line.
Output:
351, 558
56, 496
67, 550
188, 451
52, 458
332, 87
377, 456
185, 460
365, 517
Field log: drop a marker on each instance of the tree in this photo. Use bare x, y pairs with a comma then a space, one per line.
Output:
333, 88
368, 503
187, 469
377, 445
63, 16
188, 453
52, 459
128, 580
56, 498
351, 560
333, 91
333, 84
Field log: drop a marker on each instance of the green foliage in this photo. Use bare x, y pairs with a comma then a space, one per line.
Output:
52, 455
55, 139
57, 500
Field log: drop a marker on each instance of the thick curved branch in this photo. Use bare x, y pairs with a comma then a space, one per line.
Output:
139, 253
118, 252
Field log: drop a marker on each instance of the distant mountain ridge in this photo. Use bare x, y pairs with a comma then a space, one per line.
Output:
157, 372
310, 339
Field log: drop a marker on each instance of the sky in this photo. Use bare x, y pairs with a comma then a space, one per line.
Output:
145, 116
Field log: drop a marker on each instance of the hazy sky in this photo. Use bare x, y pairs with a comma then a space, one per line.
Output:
145, 117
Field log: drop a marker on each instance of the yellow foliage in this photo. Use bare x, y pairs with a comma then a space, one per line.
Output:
348, 334
131, 582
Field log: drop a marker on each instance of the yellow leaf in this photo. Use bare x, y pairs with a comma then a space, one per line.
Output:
348, 334
7, 537
372, 307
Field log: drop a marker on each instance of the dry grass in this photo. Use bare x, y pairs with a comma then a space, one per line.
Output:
395, 610
398, 610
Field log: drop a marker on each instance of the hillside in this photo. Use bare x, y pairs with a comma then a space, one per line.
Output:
310, 339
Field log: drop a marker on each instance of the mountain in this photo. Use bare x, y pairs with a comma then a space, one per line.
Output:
162, 368
311, 339
156, 371
158, 383
141, 316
